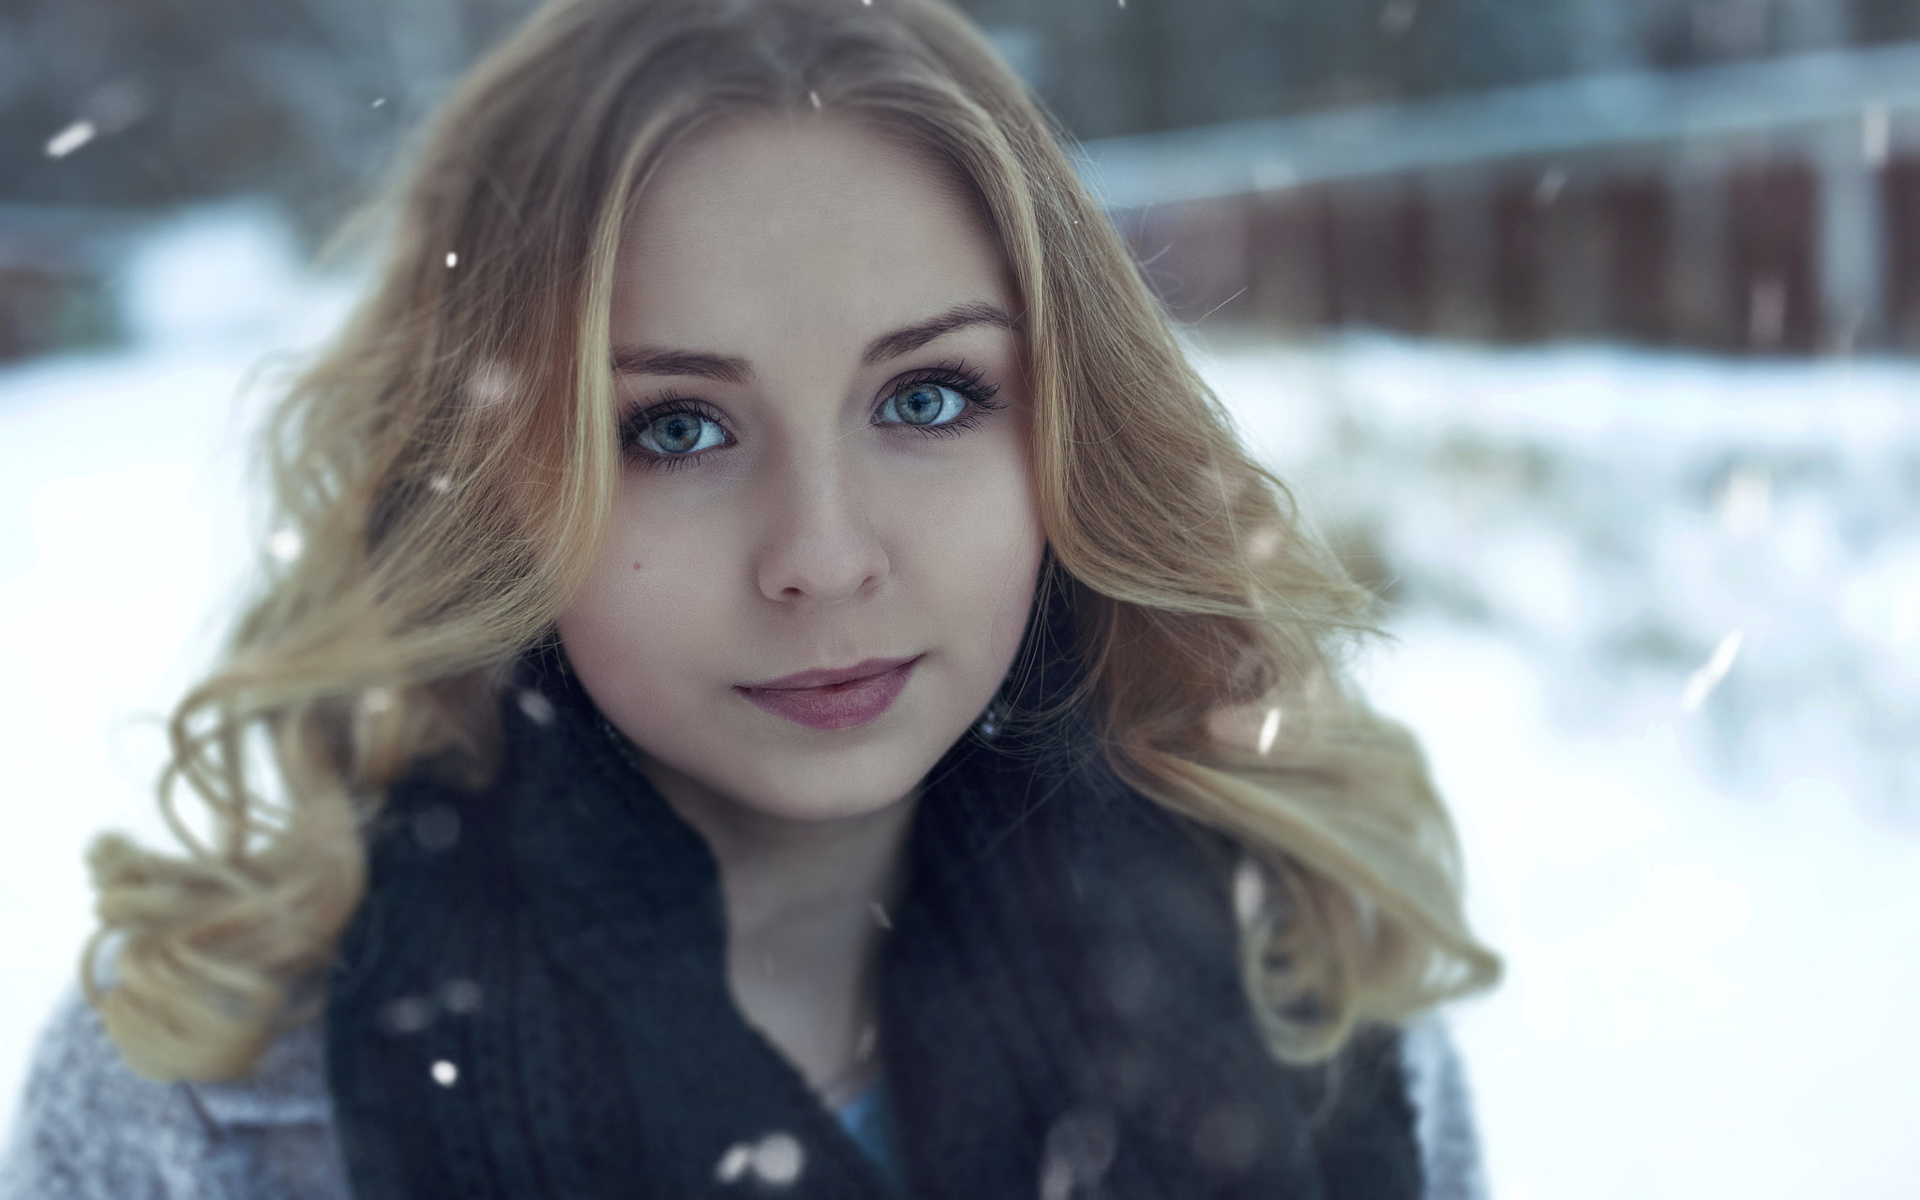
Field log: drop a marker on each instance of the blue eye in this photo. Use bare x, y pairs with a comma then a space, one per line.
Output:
676, 433
922, 404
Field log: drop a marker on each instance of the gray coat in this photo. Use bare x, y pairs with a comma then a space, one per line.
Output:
90, 1129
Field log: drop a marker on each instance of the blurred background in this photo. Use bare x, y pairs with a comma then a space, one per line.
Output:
1584, 328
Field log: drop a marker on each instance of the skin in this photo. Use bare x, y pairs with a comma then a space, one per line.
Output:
815, 535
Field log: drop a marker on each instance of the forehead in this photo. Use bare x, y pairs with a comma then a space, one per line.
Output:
801, 225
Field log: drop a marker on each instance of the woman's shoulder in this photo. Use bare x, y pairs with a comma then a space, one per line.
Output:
87, 1126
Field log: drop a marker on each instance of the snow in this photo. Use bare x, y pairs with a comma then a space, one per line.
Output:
1635, 523
1708, 909
124, 535
70, 139
1708, 914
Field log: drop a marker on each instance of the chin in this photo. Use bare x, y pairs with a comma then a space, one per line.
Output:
828, 787
780, 782
809, 808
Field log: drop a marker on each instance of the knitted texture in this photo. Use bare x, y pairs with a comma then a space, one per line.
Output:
89, 1129
1061, 1018
1061, 1012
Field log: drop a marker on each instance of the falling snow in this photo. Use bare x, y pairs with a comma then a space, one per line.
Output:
1078, 1150
1567, 550
70, 139
1701, 683
778, 1159
734, 1163
462, 997
490, 383
538, 708
406, 1015
1269, 729
1573, 536
445, 1073
775, 1160
1249, 891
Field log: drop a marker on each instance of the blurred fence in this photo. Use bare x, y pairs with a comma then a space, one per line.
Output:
57, 266
1766, 206
1762, 207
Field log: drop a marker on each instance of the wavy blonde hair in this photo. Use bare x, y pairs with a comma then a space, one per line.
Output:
449, 464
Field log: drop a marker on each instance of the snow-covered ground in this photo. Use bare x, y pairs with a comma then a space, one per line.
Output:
1658, 623
124, 535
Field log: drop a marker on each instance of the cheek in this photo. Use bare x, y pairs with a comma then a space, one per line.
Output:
653, 601
983, 567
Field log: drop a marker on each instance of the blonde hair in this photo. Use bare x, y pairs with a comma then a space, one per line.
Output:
449, 465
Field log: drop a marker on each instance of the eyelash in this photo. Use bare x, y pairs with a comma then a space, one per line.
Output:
969, 382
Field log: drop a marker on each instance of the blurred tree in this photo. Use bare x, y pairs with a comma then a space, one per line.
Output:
1685, 32
1885, 20
303, 99
188, 98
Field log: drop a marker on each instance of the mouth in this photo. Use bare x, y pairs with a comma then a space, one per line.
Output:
834, 698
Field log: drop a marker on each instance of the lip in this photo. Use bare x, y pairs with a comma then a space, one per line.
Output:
834, 697
830, 676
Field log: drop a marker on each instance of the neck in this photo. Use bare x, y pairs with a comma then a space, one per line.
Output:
806, 905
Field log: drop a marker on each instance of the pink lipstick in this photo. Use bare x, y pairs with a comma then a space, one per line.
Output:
834, 698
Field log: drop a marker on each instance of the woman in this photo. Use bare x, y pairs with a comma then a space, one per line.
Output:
791, 683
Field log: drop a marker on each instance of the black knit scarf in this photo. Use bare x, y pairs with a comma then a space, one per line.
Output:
532, 1002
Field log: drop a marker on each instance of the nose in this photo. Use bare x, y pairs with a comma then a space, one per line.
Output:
821, 542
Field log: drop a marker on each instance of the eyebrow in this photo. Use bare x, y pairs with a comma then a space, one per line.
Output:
650, 360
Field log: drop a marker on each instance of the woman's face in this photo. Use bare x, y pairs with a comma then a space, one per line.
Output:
826, 473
